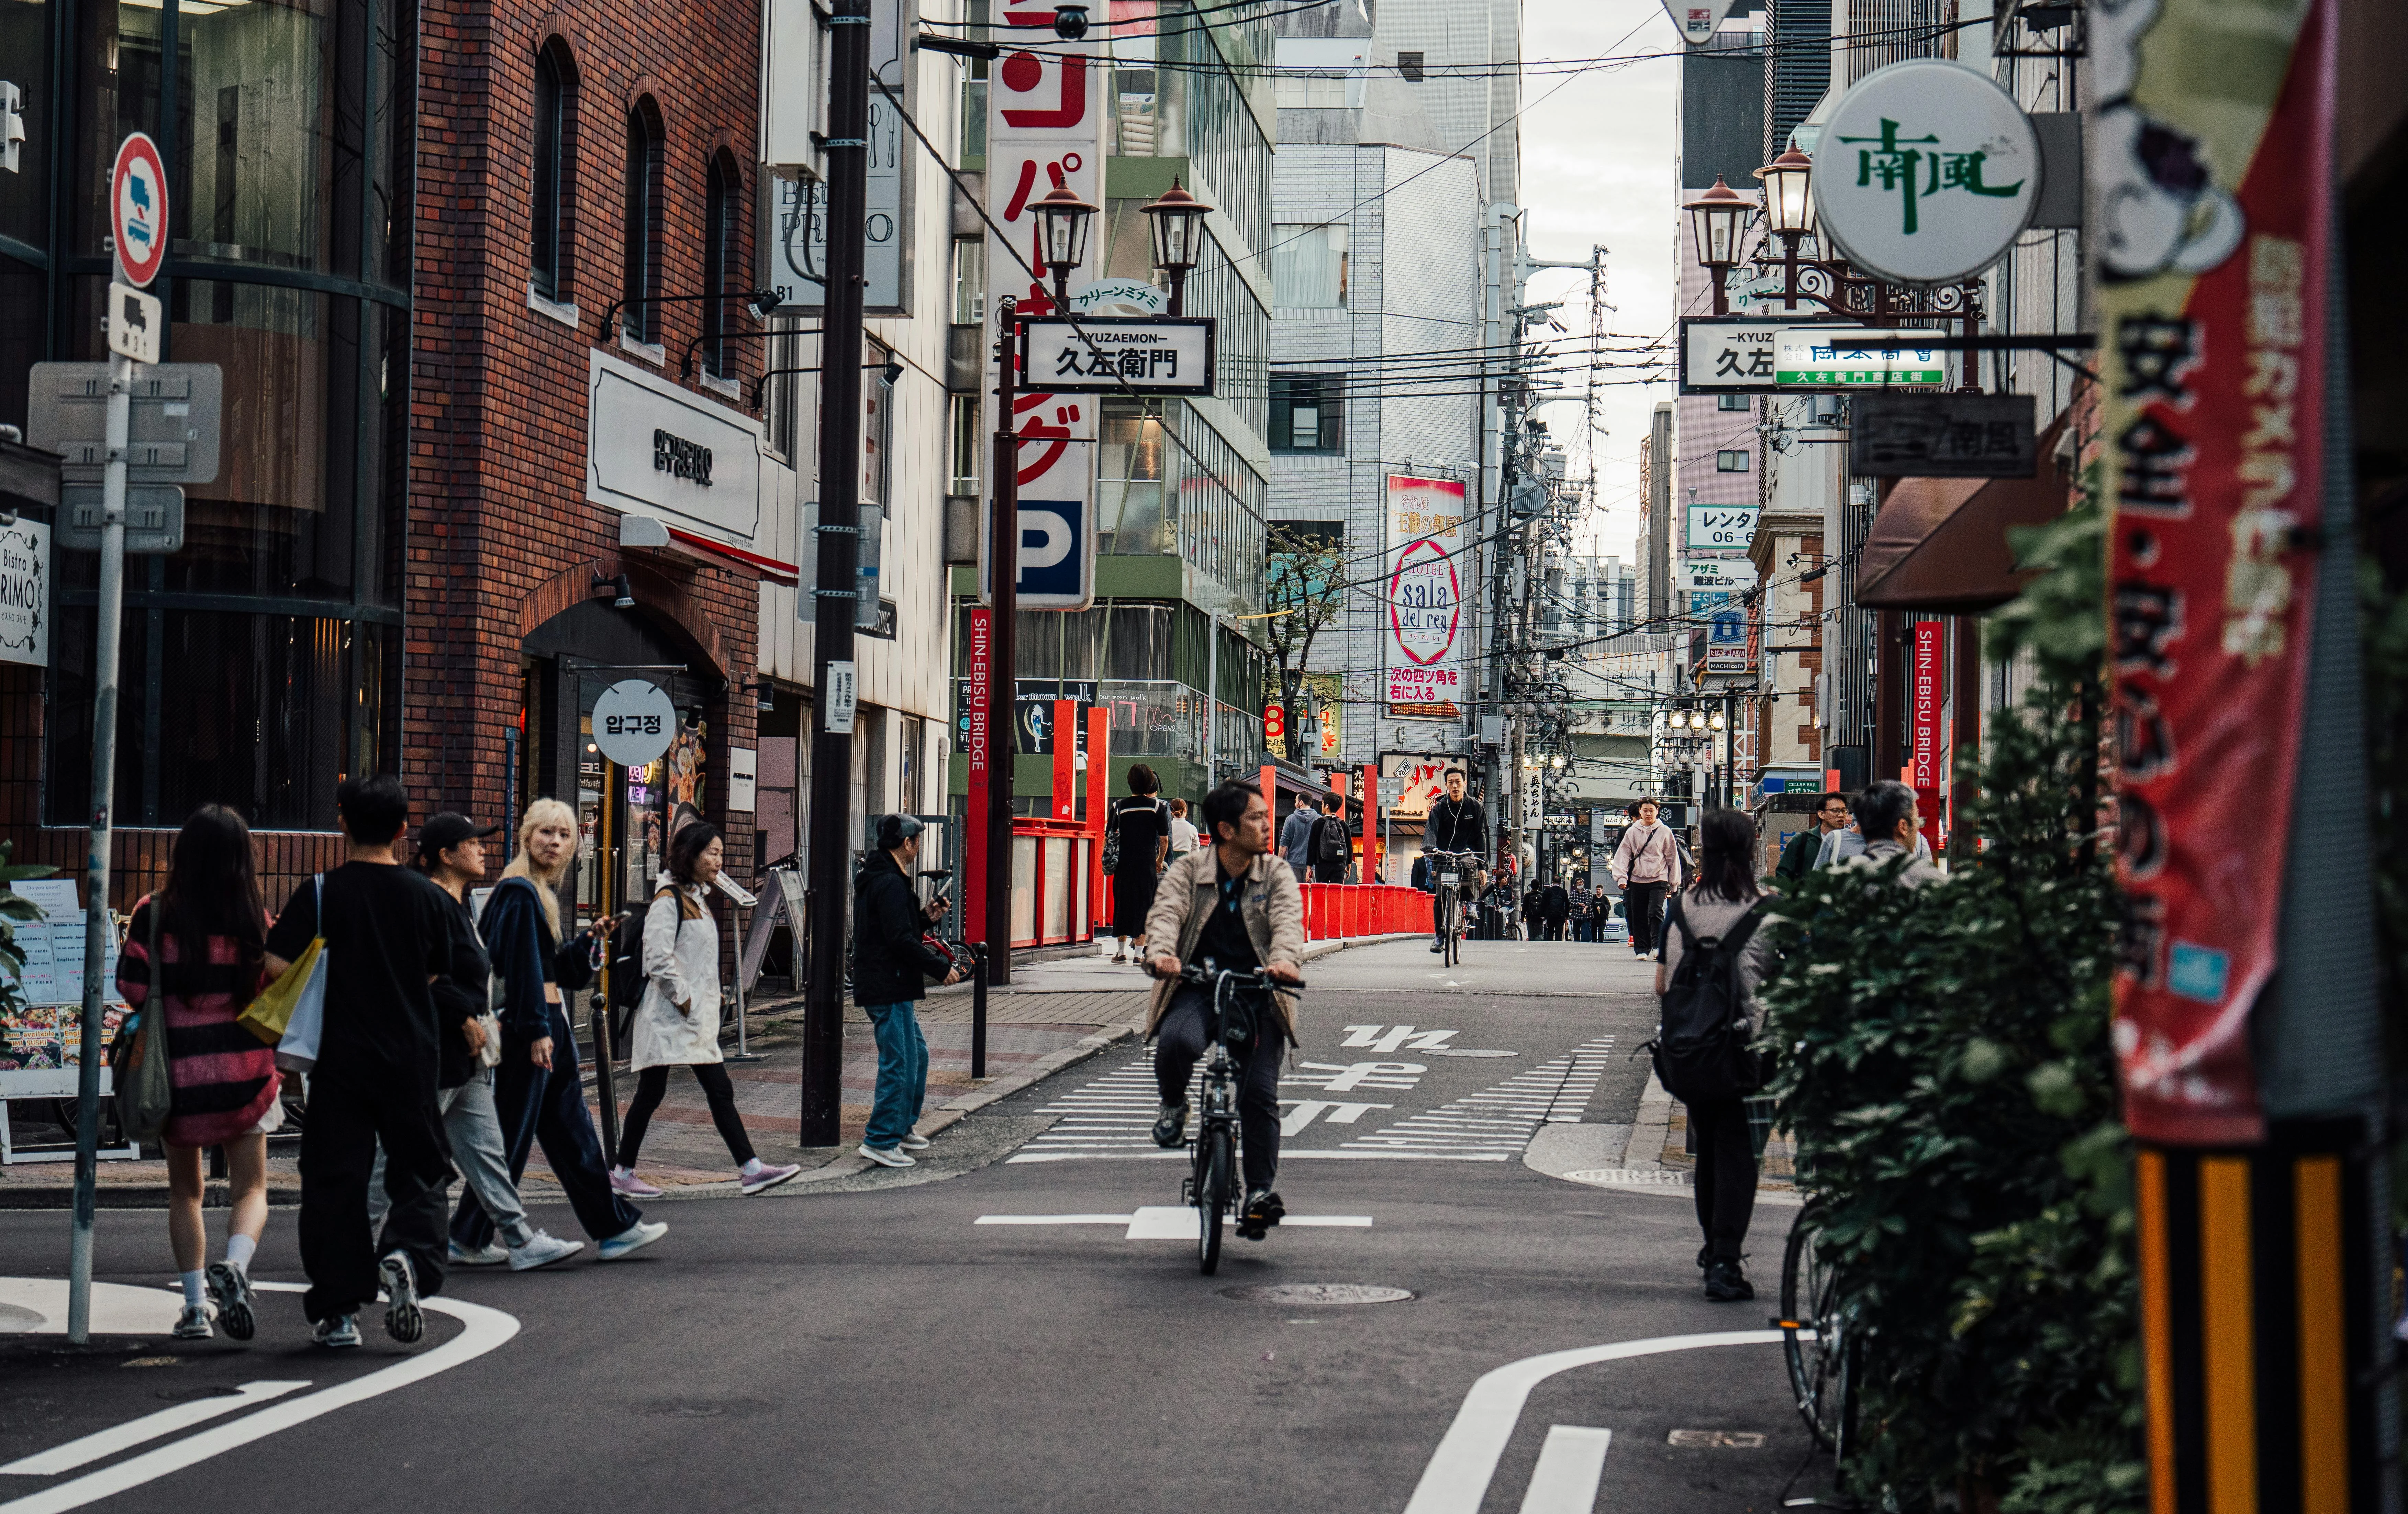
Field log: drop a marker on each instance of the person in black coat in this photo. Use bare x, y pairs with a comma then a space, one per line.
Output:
891, 966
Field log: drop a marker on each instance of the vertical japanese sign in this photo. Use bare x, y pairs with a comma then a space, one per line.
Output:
1045, 129
1423, 635
2212, 295
978, 744
1928, 759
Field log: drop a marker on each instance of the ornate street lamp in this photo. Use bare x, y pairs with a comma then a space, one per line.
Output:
1789, 209
1177, 223
1716, 220
1061, 224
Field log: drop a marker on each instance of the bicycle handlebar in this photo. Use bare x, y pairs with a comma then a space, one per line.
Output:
1254, 977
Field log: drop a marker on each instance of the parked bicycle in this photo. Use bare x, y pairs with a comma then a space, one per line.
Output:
1212, 1185
1822, 1337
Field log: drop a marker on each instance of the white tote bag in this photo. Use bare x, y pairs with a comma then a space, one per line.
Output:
298, 1051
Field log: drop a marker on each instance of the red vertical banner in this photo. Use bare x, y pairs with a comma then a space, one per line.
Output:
2213, 321
1100, 788
1065, 759
1926, 758
1373, 861
980, 736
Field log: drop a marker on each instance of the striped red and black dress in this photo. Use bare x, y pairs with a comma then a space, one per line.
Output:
224, 1077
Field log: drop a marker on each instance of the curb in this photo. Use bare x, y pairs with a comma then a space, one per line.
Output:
1642, 1169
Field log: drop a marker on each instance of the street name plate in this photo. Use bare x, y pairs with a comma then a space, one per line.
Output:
1943, 436
154, 518
173, 429
1115, 355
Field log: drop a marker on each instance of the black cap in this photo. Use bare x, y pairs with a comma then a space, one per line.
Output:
443, 832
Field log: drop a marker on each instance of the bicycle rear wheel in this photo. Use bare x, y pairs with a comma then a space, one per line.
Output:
1815, 1335
1217, 1161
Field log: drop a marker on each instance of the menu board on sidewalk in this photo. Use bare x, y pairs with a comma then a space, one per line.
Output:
41, 1041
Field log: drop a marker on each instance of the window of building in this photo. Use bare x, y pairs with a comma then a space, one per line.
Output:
1310, 92
975, 22
641, 222
1309, 267
554, 172
970, 280
1307, 414
968, 445
1128, 481
1730, 462
1732, 402
724, 284
1409, 66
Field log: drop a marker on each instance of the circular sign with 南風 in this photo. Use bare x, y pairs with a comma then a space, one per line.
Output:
138, 210
1927, 173
633, 722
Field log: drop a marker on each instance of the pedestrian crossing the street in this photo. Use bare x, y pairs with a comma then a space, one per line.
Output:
1501, 1120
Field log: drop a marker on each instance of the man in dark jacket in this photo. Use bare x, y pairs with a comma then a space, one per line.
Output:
891, 965
1798, 857
1333, 848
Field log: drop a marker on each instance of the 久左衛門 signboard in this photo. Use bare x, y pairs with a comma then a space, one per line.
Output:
1422, 637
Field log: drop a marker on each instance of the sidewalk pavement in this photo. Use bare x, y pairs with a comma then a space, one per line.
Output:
1056, 1013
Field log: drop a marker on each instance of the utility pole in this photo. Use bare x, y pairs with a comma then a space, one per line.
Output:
1003, 577
834, 608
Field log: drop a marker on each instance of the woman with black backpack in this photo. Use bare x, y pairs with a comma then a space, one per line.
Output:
1714, 925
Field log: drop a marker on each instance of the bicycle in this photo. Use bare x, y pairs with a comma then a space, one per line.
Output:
1212, 1186
1822, 1339
1447, 870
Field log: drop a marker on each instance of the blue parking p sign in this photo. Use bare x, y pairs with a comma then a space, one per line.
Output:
1056, 558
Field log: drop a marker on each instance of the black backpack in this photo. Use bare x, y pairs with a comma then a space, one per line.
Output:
1333, 846
1702, 1048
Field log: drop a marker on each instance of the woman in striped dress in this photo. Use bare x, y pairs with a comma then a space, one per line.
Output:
210, 928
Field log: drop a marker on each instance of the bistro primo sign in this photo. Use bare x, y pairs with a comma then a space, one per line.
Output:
1928, 173
679, 458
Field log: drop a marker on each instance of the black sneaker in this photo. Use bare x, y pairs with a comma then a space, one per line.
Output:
1705, 1257
1726, 1283
1263, 1210
1171, 1126
1438, 947
403, 1320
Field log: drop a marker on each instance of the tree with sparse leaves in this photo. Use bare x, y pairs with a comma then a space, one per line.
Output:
1303, 595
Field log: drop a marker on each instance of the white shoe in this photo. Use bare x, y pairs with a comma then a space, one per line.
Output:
193, 1323
542, 1250
634, 1239
491, 1254
887, 1156
914, 1141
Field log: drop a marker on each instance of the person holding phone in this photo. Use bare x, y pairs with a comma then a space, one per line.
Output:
677, 1024
892, 964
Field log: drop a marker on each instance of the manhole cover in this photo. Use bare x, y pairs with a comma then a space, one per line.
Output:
1731, 1439
1310, 1293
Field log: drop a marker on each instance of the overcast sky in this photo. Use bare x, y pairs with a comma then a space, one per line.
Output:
1597, 170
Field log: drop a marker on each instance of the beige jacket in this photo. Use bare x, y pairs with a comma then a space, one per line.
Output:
1271, 904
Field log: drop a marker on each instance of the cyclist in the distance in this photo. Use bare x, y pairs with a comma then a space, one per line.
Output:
1456, 823
1235, 905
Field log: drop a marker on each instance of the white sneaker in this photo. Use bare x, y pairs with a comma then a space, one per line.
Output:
542, 1250
765, 1176
634, 1239
887, 1156
491, 1254
914, 1141
403, 1320
340, 1333
193, 1323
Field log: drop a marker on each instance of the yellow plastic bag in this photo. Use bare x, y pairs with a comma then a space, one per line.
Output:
270, 1015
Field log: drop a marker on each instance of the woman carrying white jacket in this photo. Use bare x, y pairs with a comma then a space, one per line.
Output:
677, 1024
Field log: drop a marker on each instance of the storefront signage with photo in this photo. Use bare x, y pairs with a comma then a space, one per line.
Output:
26, 593
1807, 357
654, 448
1927, 173
1410, 785
1424, 630
2213, 337
1114, 354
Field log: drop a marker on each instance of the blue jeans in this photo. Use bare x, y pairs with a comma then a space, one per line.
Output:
902, 1072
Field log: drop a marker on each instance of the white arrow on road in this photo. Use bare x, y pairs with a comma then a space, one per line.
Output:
1167, 1222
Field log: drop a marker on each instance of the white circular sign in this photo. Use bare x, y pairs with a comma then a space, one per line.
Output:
633, 722
137, 218
1927, 173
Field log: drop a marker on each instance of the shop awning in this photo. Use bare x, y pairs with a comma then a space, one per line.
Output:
1940, 544
644, 531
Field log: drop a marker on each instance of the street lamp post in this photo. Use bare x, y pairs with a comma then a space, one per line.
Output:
1062, 226
1176, 223
1716, 220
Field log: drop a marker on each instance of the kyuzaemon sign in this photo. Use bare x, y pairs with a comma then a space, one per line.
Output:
2212, 306
1425, 594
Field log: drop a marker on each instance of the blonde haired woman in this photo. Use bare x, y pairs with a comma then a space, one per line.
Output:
539, 1093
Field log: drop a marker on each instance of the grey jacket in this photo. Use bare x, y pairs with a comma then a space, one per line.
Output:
1917, 872
1296, 835
1271, 904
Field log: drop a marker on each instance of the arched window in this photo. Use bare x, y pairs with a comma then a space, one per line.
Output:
556, 171
641, 228
723, 269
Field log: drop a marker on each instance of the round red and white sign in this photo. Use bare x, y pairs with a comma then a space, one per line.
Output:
138, 210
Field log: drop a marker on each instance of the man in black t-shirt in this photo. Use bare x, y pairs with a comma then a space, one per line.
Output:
388, 936
1456, 824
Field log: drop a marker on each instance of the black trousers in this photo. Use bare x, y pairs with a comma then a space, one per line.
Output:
1180, 1044
534, 1104
1645, 903
1725, 1188
350, 1113
653, 1084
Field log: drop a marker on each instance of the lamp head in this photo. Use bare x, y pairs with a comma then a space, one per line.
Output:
1717, 219
1788, 206
1062, 222
1176, 222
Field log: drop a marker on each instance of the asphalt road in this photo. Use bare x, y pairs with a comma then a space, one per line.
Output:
877, 1348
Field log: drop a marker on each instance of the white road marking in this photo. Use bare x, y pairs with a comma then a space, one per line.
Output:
100, 1443
1308, 1110
1571, 1465
1284, 1156
117, 1308
1458, 1477
1339, 1077
1050, 1220
483, 1330
1167, 1222
1390, 1038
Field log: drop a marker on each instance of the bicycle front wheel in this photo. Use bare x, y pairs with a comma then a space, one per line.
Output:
1814, 1333
1219, 1163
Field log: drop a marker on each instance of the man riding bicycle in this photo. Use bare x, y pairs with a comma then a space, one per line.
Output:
1456, 824
1238, 905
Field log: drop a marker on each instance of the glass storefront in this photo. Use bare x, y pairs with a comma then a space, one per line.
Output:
266, 646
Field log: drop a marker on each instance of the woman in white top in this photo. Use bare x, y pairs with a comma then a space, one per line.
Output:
677, 1024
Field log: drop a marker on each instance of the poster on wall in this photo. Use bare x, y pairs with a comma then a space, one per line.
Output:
1423, 628
1045, 131
26, 593
41, 1035
1409, 785
2212, 303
